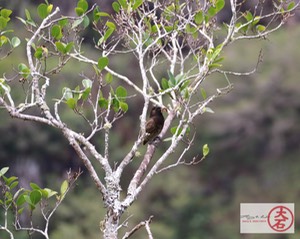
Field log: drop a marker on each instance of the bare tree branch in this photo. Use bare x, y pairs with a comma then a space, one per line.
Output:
138, 226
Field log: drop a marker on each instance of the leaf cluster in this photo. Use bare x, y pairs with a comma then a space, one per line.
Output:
19, 199
178, 82
4, 38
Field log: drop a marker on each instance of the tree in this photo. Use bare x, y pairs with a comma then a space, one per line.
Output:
184, 38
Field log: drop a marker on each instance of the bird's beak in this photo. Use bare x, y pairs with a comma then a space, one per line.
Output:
164, 109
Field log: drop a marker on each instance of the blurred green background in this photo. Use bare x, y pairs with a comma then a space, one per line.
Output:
254, 138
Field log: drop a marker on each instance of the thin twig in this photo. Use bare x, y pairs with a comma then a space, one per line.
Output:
138, 226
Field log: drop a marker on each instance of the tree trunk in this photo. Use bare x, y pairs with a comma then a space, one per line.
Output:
114, 208
111, 225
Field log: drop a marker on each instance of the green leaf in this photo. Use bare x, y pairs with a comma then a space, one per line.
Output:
15, 42
24, 70
5, 13
179, 78
48, 192
174, 129
102, 62
256, 20
79, 11
3, 171
171, 79
101, 40
38, 53
9, 180
28, 19
83, 4
60, 46
96, 17
72, 103
164, 84
123, 3
203, 93
108, 33
77, 22
34, 186
217, 50
111, 25
64, 187
260, 28
35, 196
56, 32
42, 10
103, 103
86, 93
123, 106
63, 48
121, 93
87, 83
205, 150
137, 4
27, 14
67, 93
108, 78
169, 9
3, 22
186, 94
184, 85
28, 200
214, 65
44, 193
13, 185
21, 199
69, 47
198, 17
86, 21
3, 39
208, 110
103, 14
49, 8
8, 196
116, 104
20, 210
220, 59
169, 28
77, 93
291, 6
212, 11
248, 16
30, 22
116, 7
155, 28
63, 22
219, 5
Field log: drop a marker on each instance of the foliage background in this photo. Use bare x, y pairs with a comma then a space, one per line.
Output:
253, 137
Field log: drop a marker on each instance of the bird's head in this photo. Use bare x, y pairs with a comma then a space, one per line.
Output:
157, 110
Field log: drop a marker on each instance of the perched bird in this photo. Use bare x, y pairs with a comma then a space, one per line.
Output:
154, 125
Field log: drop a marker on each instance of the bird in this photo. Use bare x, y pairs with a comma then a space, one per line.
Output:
154, 124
